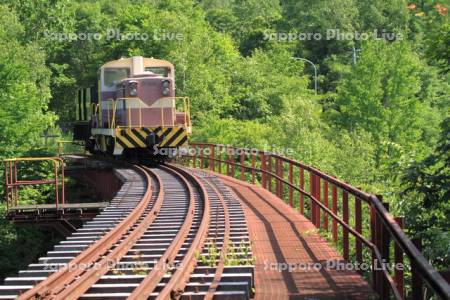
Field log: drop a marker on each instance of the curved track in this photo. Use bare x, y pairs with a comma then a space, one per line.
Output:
169, 233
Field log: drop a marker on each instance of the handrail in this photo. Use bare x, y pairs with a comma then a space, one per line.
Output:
433, 278
60, 146
131, 99
186, 110
382, 228
113, 122
95, 108
12, 182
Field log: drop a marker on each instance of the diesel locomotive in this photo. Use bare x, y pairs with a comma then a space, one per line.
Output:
133, 110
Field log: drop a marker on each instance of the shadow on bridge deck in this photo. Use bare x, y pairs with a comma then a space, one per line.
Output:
281, 238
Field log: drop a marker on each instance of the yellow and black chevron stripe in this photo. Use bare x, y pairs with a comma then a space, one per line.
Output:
171, 137
131, 137
167, 137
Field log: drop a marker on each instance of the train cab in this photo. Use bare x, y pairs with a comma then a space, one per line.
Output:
137, 110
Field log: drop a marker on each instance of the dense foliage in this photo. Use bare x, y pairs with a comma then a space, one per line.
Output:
375, 121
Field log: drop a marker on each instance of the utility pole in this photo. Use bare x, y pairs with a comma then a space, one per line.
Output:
354, 54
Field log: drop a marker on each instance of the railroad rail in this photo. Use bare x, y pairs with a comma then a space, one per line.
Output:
168, 233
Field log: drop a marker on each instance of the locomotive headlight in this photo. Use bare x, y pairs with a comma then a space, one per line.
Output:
166, 84
133, 89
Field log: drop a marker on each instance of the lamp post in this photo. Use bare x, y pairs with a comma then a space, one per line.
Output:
315, 70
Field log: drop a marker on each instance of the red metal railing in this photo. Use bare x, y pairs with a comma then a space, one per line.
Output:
13, 183
310, 191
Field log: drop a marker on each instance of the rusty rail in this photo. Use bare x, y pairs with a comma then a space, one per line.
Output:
224, 251
177, 282
313, 189
70, 282
148, 285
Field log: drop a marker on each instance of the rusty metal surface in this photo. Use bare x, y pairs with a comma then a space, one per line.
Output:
56, 284
282, 236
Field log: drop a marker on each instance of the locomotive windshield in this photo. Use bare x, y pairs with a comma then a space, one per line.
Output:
158, 70
114, 75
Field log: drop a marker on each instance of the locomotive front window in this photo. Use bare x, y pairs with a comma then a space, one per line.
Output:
158, 70
114, 75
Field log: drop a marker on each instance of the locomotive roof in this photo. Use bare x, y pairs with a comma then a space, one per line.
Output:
147, 61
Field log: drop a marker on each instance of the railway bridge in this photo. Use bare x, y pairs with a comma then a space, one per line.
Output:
220, 222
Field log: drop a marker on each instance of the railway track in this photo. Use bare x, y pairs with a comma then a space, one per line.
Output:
170, 232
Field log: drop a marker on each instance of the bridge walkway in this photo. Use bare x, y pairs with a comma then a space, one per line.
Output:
289, 252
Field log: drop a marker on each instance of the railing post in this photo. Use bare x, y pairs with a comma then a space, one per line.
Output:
211, 159
242, 161
263, 170
291, 191
277, 181
269, 176
312, 192
228, 160
358, 228
9, 190
379, 242
385, 255
373, 239
398, 259
325, 202
16, 188
345, 219
202, 157
416, 278
280, 163
302, 187
63, 189
219, 150
318, 192
334, 210
233, 163
253, 167
56, 184
194, 157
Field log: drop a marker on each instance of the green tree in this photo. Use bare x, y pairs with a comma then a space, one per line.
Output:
383, 16
245, 20
380, 97
24, 89
323, 17
428, 183
263, 83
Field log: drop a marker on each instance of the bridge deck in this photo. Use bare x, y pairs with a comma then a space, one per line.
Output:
281, 236
49, 212
86, 205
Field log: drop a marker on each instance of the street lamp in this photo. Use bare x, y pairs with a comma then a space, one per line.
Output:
315, 70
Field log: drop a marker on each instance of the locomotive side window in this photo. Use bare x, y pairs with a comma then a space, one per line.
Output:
113, 75
158, 70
